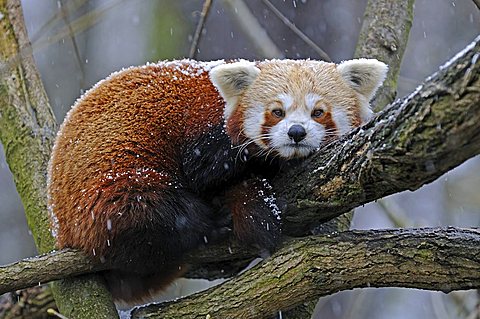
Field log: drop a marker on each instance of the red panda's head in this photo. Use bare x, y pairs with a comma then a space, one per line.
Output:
291, 107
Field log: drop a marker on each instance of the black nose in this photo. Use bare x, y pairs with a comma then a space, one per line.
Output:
297, 133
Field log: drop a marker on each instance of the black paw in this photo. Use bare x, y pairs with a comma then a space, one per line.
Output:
259, 230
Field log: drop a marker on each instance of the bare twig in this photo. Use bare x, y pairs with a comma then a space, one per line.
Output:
80, 24
198, 32
297, 31
253, 31
54, 19
477, 3
71, 34
393, 212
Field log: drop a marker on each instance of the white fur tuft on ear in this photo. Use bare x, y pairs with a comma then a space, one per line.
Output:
231, 80
364, 75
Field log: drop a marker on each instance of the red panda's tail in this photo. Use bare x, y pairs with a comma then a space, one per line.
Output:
132, 288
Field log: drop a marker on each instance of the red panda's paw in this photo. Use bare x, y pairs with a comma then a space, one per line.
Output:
256, 217
223, 226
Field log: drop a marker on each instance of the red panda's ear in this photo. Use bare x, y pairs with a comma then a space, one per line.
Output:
364, 75
231, 80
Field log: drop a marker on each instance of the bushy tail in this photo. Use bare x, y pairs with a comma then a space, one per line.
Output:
129, 288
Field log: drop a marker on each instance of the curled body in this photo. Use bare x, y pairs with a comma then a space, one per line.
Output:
142, 157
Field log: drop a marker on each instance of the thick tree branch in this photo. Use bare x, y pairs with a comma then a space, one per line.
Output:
27, 123
44, 268
435, 259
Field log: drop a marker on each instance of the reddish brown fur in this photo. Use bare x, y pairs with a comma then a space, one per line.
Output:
327, 121
269, 121
126, 125
234, 127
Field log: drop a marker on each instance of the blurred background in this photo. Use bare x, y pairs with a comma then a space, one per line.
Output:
78, 42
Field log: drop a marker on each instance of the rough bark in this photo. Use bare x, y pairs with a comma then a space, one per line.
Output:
434, 259
44, 268
31, 303
27, 124
27, 132
384, 36
477, 3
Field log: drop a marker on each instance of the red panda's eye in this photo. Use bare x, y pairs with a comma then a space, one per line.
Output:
317, 113
278, 112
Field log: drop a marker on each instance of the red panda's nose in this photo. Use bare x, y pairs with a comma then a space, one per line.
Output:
297, 133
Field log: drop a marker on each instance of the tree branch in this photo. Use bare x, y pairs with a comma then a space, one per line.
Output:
27, 123
435, 259
252, 30
477, 3
198, 31
44, 268
321, 53
384, 36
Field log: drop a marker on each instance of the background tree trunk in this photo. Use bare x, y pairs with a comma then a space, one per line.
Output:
27, 132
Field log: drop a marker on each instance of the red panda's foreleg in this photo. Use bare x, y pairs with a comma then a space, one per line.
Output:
256, 217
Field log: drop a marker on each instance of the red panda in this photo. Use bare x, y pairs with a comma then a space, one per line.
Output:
140, 159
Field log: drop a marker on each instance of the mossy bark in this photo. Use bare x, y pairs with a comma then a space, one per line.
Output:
306, 268
31, 303
27, 124
27, 132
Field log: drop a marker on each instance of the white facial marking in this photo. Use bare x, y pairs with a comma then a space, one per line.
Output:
311, 100
254, 117
287, 148
342, 121
287, 100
